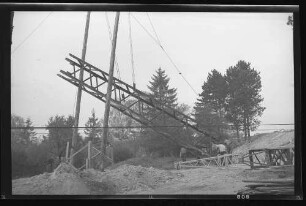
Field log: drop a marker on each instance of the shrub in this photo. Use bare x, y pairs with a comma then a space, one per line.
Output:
123, 150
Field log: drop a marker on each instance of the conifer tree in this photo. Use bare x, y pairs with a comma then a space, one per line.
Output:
160, 91
210, 106
166, 97
93, 132
243, 103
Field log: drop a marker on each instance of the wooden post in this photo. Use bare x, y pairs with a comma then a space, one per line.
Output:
67, 152
78, 104
109, 89
86, 164
251, 159
89, 154
267, 157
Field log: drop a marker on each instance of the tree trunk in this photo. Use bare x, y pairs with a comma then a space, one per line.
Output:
245, 127
248, 124
237, 132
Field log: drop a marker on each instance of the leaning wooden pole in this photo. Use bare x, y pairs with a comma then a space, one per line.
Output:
78, 104
109, 90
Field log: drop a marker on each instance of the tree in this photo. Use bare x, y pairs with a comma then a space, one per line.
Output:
209, 110
18, 146
160, 91
125, 124
214, 92
243, 102
60, 131
208, 120
28, 156
29, 133
92, 130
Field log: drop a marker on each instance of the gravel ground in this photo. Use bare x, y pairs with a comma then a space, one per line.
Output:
130, 179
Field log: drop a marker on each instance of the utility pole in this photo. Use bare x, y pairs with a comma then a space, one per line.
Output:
109, 90
78, 104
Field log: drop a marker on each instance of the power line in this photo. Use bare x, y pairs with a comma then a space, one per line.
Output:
110, 127
146, 30
120, 127
31, 33
153, 29
171, 60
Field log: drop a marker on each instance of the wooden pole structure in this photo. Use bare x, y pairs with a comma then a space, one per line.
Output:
89, 154
78, 104
67, 151
109, 90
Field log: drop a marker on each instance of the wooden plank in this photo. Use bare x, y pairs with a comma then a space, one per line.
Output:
270, 185
95, 149
275, 191
257, 159
67, 151
82, 167
78, 151
251, 159
187, 166
270, 181
89, 154
86, 163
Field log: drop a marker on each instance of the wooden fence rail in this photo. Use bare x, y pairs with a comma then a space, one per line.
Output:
219, 161
92, 153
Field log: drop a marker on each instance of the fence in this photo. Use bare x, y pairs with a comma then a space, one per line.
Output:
92, 154
259, 158
219, 161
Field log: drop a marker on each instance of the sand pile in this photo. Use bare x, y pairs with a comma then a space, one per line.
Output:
65, 180
270, 140
126, 178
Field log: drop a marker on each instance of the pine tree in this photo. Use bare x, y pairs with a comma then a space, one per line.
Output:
160, 91
28, 132
210, 106
214, 92
92, 131
60, 131
166, 97
243, 103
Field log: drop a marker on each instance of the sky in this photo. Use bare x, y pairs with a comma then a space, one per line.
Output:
196, 42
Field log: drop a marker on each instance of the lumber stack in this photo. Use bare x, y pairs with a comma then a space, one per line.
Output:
271, 187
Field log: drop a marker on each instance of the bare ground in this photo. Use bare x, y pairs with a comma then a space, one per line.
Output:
132, 179
210, 180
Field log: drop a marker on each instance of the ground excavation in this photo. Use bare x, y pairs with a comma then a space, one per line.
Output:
129, 179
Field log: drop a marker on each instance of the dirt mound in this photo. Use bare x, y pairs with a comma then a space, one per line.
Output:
65, 180
269, 140
165, 163
126, 178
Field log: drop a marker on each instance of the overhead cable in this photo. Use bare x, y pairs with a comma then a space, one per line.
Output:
35, 29
159, 44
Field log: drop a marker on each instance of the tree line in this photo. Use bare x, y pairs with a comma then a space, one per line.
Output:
231, 99
229, 102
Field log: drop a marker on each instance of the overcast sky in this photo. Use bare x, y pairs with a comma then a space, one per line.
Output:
197, 43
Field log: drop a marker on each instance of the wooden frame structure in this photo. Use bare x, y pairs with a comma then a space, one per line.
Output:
218, 161
94, 83
266, 157
92, 153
